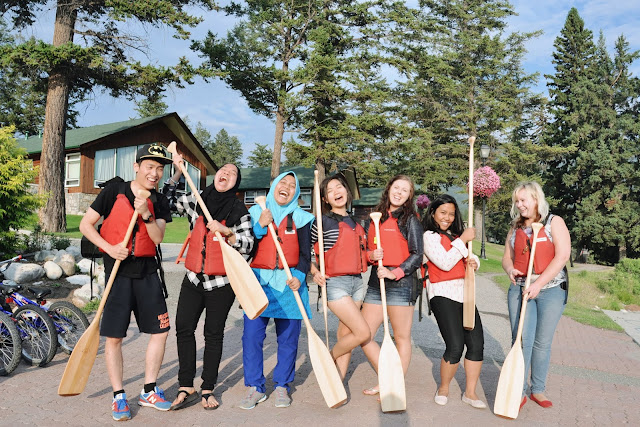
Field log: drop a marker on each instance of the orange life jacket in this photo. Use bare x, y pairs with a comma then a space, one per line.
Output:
204, 246
266, 256
438, 275
114, 227
396, 247
348, 255
545, 251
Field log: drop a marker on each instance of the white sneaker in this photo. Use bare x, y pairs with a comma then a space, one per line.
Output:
475, 403
440, 400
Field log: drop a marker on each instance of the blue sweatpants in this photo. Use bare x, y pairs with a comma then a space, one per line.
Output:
254, 333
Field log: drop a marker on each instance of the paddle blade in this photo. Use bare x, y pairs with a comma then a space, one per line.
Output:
76, 374
391, 378
469, 299
509, 391
326, 372
243, 282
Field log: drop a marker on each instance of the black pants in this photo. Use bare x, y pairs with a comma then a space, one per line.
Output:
449, 317
192, 301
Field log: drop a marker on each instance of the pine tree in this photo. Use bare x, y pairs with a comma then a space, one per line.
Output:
260, 156
573, 90
224, 148
100, 61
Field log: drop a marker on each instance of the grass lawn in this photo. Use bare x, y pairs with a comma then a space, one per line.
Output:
585, 298
175, 232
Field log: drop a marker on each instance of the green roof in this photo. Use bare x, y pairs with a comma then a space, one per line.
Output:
368, 197
77, 137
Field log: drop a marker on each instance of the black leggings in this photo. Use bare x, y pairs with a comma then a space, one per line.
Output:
192, 301
449, 317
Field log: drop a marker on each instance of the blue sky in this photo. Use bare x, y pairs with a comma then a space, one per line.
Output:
217, 107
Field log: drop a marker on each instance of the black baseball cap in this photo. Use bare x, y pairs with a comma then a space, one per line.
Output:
155, 152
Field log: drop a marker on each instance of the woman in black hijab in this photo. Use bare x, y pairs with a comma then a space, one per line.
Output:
206, 286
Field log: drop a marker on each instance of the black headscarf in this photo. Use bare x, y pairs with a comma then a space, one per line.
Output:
225, 205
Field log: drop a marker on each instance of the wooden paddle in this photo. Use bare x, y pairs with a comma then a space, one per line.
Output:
321, 252
509, 391
469, 293
390, 374
243, 282
323, 364
76, 374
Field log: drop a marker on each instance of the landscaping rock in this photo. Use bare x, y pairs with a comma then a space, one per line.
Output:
41, 256
85, 266
24, 273
75, 251
52, 270
67, 262
79, 279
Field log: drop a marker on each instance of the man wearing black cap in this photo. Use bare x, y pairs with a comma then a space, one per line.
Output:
137, 286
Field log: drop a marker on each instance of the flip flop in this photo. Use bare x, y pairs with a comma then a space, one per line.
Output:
191, 397
206, 397
371, 391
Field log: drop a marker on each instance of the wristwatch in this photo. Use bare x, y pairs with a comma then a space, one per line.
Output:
148, 220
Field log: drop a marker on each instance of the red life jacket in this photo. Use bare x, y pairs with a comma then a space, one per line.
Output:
114, 227
204, 244
348, 255
438, 275
545, 252
396, 247
267, 257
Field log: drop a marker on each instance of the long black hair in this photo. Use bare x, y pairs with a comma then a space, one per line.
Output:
429, 224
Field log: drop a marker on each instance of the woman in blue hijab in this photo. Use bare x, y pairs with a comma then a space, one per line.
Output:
294, 232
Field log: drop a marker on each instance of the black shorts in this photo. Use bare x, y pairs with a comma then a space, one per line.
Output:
142, 296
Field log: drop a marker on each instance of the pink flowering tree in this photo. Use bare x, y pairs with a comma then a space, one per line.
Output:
485, 182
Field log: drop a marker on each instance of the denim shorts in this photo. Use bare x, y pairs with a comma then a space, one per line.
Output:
395, 296
345, 286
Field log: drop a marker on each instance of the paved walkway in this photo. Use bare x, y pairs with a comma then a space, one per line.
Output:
594, 379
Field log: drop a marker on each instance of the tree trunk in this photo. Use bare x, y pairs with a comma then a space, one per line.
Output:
52, 162
277, 143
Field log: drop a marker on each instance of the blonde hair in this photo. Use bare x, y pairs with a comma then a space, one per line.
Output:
535, 190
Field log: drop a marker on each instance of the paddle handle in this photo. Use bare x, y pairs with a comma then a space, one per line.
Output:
375, 217
172, 148
536, 226
472, 139
321, 252
260, 201
116, 265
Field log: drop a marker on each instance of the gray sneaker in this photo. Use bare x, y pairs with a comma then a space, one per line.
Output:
252, 398
282, 398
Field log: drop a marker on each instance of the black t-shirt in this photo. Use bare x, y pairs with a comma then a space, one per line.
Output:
132, 267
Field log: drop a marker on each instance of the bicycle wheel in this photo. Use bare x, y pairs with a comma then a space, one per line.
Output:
10, 345
70, 323
39, 336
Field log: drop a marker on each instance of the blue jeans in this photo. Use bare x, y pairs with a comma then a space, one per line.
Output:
254, 333
540, 321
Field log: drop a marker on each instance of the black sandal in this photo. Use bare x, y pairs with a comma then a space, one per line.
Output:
191, 397
206, 397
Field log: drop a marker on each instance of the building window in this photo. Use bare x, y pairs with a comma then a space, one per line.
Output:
72, 170
250, 196
119, 162
305, 198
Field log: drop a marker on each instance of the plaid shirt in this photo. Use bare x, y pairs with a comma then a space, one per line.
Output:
186, 204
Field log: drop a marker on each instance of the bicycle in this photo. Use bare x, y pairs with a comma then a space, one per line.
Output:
10, 345
35, 326
69, 320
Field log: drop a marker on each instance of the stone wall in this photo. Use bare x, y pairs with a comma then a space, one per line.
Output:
78, 203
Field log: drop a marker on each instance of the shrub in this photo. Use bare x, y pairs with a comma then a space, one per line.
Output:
624, 283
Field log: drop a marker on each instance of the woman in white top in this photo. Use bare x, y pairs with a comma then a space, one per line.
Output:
445, 248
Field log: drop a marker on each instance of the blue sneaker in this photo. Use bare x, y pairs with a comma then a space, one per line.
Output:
154, 399
120, 408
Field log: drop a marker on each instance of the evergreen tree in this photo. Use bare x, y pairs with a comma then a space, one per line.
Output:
574, 90
224, 149
260, 156
151, 106
608, 214
263, 57
99, 61
462, 76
